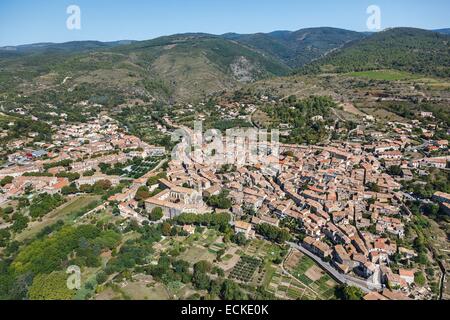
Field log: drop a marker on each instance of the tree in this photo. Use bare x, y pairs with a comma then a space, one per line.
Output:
142, 193
219, 254
273, 233
84, 243
219, 271
116, 211
6, 180
88, 173
86, 188
8, 210
101, 186
44, 203
71, 189
5, 235
431, 209
165, 229
346, 292
180, 266
51, 286
419, 278
202, 267
173, 232
154, 180
101, 277
239, 239
201, 281
156, 214
395, 171
72, 176
220, 220
20, 222
220, 201
263, 294
371, 186
214, 288
231, 291
19, 290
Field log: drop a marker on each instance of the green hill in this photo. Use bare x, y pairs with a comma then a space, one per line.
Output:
406, 49
67, 47
180, 67
189, 67
300, 47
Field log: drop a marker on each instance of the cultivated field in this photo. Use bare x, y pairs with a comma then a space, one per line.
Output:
310, 275
387, 75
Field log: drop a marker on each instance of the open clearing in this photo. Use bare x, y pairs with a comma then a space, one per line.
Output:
197, 253
141, 290
386, 75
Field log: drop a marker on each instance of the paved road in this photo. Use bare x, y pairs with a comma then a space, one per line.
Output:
341, 278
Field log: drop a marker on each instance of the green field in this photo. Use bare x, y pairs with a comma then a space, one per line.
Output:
386, 75
65, 213
323, 286
76, 204
264, 250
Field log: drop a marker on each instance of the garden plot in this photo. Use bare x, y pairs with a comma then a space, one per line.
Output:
197, 253
139, 169
245, 269
285, 287
263, 249
311, 275
229, 259
142, 290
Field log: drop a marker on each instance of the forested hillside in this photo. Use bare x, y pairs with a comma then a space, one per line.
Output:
407, 49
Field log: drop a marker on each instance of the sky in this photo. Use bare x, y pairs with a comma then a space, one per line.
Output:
34, 21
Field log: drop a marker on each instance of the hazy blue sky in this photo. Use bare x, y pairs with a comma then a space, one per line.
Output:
31, 21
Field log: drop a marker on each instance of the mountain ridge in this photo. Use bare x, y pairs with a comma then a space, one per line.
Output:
407, 49
228, 34
190, 66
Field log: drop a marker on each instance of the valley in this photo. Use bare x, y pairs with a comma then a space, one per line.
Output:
350, 201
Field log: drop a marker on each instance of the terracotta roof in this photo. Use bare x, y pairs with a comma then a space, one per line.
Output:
243, 225
373, 296
394, 295
406, 273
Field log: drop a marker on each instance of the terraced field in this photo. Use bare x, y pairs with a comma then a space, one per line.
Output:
387, 75
308, 273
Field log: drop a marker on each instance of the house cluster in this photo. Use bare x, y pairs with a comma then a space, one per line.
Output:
75, 148
325, 189
347, 209
175, 200
343, 220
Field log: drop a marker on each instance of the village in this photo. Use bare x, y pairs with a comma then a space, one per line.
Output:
345, 211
